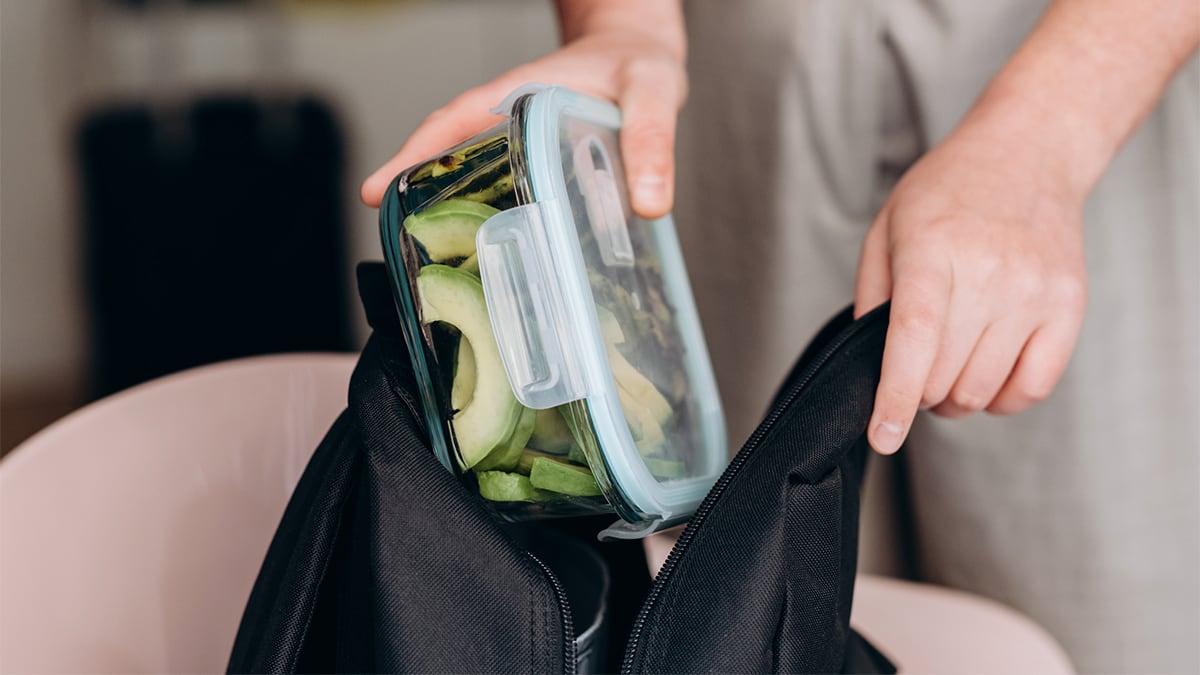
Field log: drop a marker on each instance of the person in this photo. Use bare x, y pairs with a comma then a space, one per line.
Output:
982, 166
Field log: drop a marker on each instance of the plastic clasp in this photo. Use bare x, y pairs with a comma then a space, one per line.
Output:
599, 183
528, 314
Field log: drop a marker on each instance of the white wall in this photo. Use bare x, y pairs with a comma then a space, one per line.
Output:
383, 64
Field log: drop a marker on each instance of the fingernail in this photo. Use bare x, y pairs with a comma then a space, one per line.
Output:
887, 437
649, 191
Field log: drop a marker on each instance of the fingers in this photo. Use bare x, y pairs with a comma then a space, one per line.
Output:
650, 102
873, 286
985, 373
966, 322
455, 122
918, 315
1039, 367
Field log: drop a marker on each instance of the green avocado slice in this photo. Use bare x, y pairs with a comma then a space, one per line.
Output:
489, 419
471, 264
639, 388
525, 464
550, 433
501, 486
610, 328
463, 388
568, 479
507, 456
447, 229
647, 432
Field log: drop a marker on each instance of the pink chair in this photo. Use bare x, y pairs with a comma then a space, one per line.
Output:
132, 530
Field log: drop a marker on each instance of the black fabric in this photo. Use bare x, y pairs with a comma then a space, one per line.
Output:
762, 578
384, 562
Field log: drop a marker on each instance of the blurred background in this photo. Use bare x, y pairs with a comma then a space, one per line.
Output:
179, 178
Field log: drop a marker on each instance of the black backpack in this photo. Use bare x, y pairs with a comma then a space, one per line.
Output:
384, 562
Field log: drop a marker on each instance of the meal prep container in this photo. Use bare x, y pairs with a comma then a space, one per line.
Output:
553, 333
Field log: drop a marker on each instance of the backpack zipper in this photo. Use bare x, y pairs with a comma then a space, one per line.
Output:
564, 609
697, 520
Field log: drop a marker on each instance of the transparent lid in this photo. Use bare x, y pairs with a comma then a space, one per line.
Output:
591, 303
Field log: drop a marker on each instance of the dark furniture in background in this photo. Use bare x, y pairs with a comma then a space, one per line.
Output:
214, 230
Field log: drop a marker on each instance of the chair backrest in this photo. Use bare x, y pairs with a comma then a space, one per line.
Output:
131, 531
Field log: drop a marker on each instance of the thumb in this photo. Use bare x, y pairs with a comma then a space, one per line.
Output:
649, 107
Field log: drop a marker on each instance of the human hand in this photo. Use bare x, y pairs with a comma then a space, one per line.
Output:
618, 54
980, 249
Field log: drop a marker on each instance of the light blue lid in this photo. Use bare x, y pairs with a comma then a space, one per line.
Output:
591, 303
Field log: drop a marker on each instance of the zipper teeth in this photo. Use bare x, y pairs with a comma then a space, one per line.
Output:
727, 477
568, 623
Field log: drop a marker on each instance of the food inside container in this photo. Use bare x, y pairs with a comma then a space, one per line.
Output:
553, 332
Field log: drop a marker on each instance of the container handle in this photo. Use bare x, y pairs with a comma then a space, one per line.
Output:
526, 309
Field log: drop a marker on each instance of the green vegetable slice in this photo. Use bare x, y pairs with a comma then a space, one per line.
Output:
489, 419
550, 433
506, 457
501, 486
568, 479
463, 388
447, 229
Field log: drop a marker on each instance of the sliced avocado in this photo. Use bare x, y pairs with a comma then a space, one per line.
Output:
488, 421
463, 389
447, 229
642, 389
647, 432
471, 264
568, 479
525, 465
524, 430
626, 376
501, 486
632, 409
507, 456
575, 454
660, 467
502, 186
610, 328
550, 433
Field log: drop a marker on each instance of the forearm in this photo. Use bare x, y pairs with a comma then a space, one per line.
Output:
663, 19
1085, 78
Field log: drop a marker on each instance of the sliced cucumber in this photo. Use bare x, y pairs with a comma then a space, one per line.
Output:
488, 421
567, 479
447, 229
501, 486
550, 433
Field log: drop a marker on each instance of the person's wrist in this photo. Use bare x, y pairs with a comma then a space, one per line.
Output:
1050, 124
1066, 152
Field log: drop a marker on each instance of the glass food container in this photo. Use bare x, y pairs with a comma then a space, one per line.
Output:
553, 332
